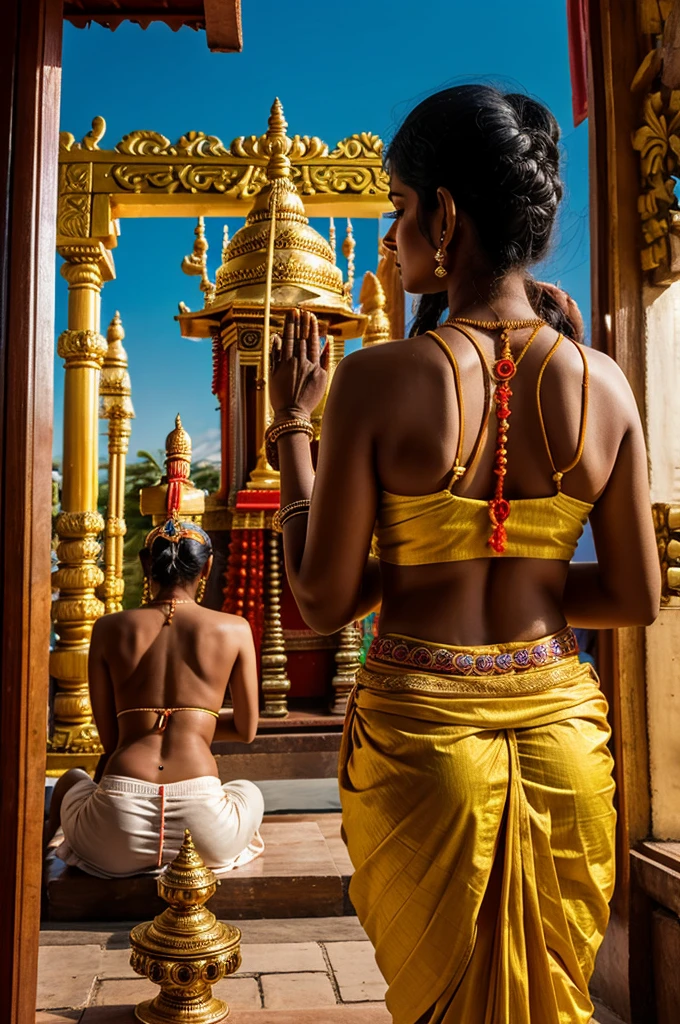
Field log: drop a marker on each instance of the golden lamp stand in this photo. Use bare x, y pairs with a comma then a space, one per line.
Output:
185, 950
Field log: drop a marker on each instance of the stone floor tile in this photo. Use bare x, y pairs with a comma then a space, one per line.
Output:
77, 936
281, 958
302, 929
84, 933
115, 963
297, 991
58, 1016
239, 993
356, 971
123, 991
65, 978
109, 1015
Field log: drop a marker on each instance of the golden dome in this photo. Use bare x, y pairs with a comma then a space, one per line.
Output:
178, 443
303, 271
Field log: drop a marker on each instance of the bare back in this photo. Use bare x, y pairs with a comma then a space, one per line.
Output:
392, 423
138, 662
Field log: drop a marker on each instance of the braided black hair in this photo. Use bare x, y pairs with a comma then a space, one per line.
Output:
498, 156
173, 562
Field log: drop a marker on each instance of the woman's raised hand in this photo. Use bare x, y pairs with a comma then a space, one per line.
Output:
298, 368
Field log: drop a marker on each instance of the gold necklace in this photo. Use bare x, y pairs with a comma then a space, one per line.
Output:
172, 602
502, 372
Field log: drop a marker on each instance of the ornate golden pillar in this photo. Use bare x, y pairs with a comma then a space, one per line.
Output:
116, 407
348, 664
275, 681
88, 264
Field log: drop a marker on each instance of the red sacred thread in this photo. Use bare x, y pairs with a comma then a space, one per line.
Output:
501, 373
161, 837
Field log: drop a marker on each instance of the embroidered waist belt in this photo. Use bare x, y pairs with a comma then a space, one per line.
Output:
495, 659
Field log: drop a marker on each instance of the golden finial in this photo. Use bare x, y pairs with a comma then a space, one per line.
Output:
331, 236
114, 382
372, 299
225, 243
178, 442
95, 135
115, 332
278, 144
196, 263
185, 950
348, 247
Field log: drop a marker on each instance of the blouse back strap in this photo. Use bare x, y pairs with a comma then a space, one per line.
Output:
458, 469
559, 473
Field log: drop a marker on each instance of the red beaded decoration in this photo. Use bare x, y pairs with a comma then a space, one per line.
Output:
244, 578
502, 372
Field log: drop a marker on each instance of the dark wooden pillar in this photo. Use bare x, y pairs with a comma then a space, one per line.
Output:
30, 59
623, 971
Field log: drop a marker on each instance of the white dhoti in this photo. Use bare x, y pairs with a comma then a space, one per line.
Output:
125, 827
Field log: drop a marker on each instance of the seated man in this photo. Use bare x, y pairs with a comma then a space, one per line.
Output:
157, 680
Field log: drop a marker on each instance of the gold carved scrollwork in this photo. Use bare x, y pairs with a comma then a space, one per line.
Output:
75, 200
67, 141
208, 179
77, 578
364, 145
73, 215
145, 143
82, 609
78, 524
343, 178
658, 144
82, 348
200, 144
199, 163
135, 178
95, 135
657, 140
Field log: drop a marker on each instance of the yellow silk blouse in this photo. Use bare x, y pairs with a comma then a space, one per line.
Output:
445, 527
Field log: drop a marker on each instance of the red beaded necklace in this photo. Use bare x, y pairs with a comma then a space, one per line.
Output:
501, 373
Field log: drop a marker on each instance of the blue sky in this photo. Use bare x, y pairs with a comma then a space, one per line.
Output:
360, 69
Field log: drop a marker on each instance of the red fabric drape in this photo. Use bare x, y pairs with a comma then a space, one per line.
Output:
577, 23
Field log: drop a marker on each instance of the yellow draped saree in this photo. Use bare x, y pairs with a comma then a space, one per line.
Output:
478, 814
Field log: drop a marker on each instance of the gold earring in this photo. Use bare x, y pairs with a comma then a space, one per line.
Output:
146, 592
440, 258
200, 590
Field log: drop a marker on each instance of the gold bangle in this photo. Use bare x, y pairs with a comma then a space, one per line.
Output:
294, 508
277, 430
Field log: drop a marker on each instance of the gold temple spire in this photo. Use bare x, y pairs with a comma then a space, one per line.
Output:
331, 237
115, 405
225, 243
372, 299
348, 246
196, 263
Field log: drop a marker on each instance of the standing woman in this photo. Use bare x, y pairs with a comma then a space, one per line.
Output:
475, 775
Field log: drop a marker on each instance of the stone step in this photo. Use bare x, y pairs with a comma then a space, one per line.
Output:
304, 872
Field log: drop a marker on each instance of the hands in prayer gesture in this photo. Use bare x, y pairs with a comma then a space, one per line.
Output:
298, 367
